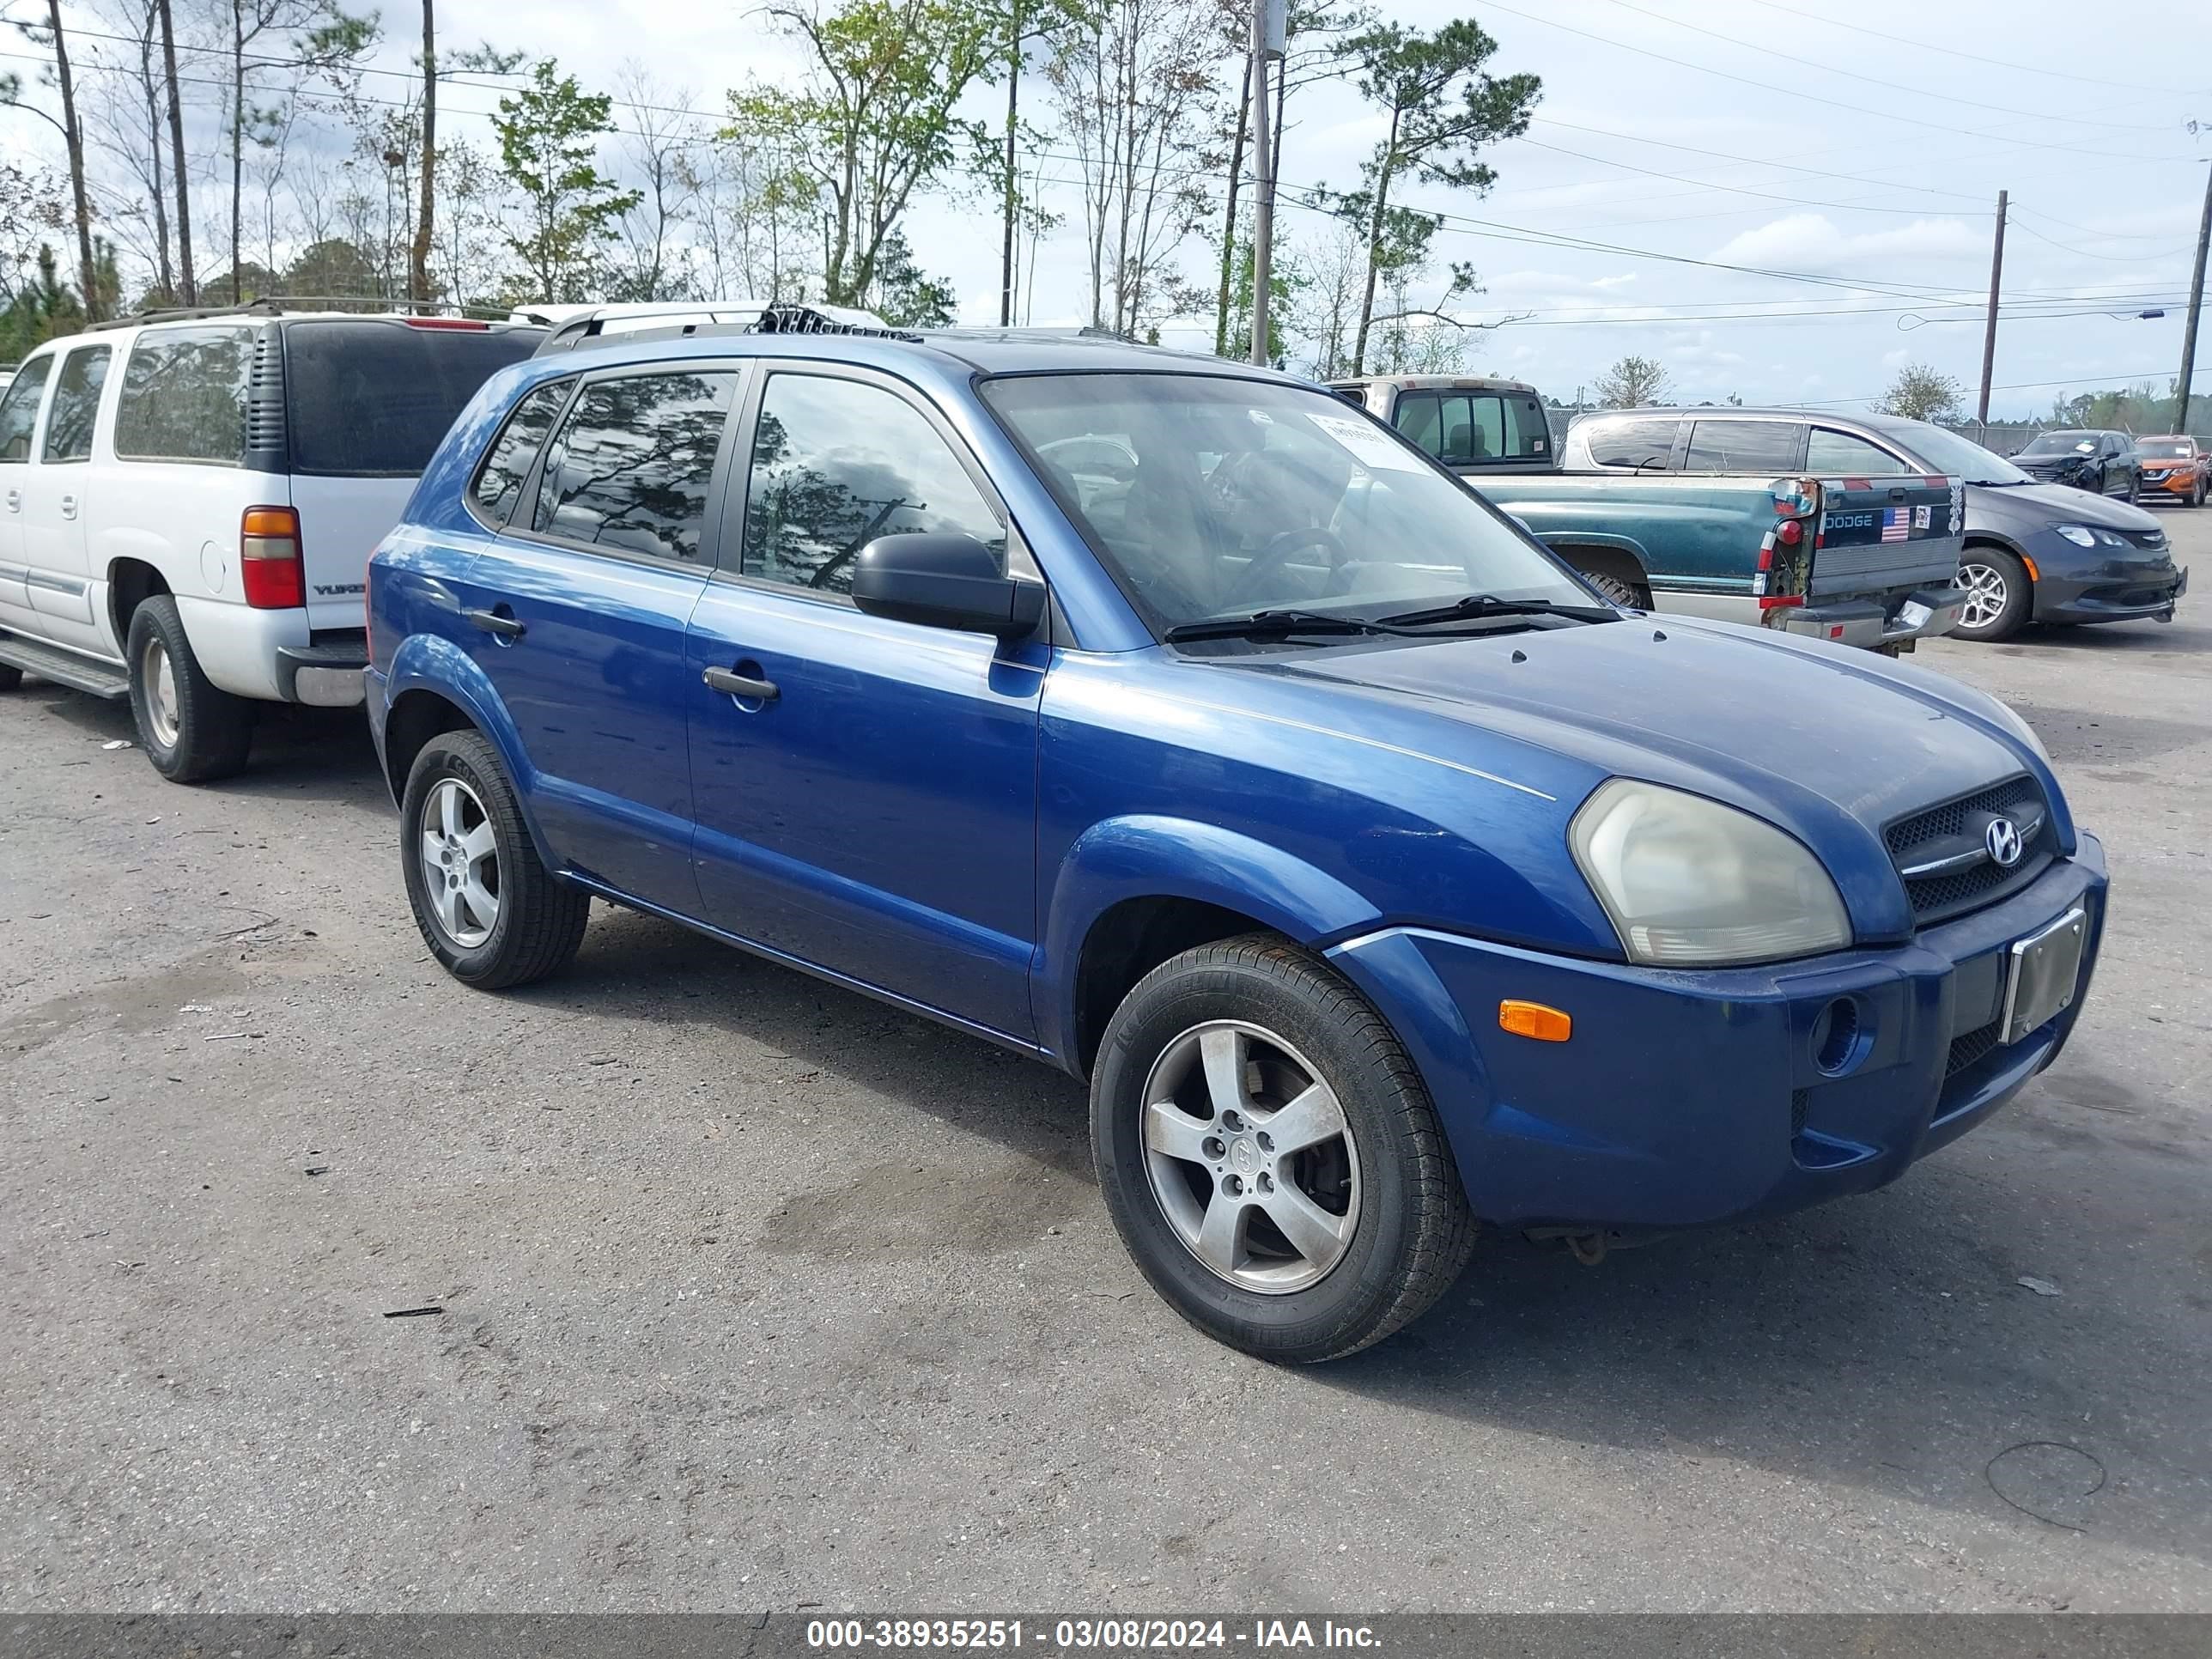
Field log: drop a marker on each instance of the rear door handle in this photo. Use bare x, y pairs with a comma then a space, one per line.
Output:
15, 501
69, 506
492, 623
741, 685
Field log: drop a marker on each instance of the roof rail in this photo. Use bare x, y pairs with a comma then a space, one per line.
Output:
276, 305
708, 318
1041, 331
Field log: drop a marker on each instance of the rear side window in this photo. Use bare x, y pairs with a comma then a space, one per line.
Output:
373, 399
500, 483
1839, 455
76, 405
1743, 446
184, 397
1646, 445
633, 463
19, 409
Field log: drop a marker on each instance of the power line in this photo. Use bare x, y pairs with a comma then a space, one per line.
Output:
1853, 74
1809, 97
2015, 385
2117, 258
1889, 38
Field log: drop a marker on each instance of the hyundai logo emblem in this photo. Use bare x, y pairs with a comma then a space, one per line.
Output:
2003, 840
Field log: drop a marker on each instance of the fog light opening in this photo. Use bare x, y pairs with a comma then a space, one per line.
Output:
1836, 1036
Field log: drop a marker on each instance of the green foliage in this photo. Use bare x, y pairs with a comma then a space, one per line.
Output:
903, 294
1443, 108
1289, 282
549, 135
2140, 408
1920, 393
1633, 383
40, 309
873, 119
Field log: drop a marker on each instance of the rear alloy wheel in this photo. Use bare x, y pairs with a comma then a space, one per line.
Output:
1998, 594
191, 730
1270, 1157
487, 907
10, 676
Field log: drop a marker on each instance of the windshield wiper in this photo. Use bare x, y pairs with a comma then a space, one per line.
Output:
1268, 622
1489, 605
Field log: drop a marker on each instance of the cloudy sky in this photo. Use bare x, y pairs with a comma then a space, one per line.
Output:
1853, 147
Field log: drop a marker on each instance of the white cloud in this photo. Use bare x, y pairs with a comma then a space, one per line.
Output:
1812, 242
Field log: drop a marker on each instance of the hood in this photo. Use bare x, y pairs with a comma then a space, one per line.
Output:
2059, 462
2049, 504
1829, 744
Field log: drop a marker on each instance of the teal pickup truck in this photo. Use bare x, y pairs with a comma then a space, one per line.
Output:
1745, 534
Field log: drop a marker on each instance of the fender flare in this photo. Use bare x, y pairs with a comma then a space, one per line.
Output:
427, 662
1148, 855
1609, 541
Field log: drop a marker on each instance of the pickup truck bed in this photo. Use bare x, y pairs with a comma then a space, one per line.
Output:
1865, 561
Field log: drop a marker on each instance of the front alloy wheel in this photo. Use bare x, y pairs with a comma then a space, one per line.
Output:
1998, 595
1270, 1155
1251, 1156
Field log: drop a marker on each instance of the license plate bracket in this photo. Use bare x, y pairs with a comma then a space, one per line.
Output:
2042, 973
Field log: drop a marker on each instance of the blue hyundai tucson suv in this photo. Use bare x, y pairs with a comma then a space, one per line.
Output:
1174, 722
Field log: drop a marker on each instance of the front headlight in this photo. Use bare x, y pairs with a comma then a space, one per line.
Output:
2080, 534
1690, 883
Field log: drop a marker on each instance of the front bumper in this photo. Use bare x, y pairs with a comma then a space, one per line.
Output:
1923, 614
2116, 594
1687, 1099
2179, 482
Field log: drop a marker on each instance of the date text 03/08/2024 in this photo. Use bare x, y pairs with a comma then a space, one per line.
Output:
1083, 1635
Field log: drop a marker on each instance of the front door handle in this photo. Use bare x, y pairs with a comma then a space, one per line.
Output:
741, 685
69, 506
15, 501
492, 623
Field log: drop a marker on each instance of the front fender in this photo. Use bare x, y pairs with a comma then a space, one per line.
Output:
1560, 540
1154, 856
427, 662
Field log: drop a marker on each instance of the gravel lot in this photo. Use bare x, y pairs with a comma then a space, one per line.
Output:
759, 1294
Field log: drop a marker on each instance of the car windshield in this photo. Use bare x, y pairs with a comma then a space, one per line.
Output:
1940, 451
2165, 449
1212, 496
2061, 443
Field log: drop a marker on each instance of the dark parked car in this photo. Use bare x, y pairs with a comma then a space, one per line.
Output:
2035, 552
1174, 723
2102, 463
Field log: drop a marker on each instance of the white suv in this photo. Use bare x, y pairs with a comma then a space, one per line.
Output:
187, 507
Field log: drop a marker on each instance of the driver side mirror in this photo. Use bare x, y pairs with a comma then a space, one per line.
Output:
944, 581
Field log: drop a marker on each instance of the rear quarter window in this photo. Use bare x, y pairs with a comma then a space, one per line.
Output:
499, 483
373, 399
184, 397
1647, 445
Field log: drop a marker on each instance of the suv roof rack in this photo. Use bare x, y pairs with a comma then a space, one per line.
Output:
636, 324
1040, 331
277, 305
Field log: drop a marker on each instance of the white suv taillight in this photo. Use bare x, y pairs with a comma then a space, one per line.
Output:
270, 564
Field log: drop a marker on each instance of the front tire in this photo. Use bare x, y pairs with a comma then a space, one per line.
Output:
191, 729
487, 907
1999, 595
1270, 1156
1626, 594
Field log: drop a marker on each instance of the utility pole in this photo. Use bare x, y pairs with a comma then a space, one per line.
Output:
1990, 336
2195, 305
1269, 25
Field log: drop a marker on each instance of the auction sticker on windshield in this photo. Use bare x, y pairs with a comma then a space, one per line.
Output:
1370, 447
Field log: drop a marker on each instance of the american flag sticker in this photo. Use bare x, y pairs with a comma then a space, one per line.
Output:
1896, 523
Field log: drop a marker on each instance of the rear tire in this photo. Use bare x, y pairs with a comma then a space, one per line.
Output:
1212, 1051
10, 676
1999, 594
490, 911
1630, 594
191, 730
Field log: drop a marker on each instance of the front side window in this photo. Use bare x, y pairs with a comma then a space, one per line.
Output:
633, 463
19, 409
1241, 495
836, 463
1742, 447
184, 397
500, 483
76, 405
1645, 444
1839, 455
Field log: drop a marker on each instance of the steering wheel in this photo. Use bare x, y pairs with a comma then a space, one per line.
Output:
1276, 554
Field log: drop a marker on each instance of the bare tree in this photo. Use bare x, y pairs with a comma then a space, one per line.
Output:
756, 218
187, 288
50, 36
1137, 82
654, 149
124, 118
